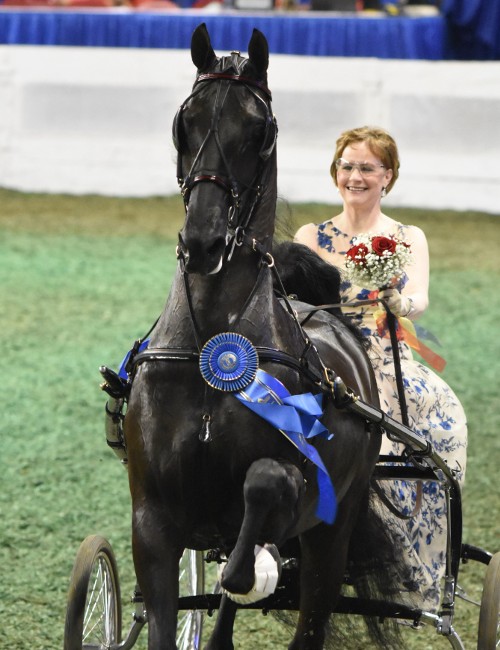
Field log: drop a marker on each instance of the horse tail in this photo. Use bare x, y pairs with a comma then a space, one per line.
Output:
375, 569
374, 573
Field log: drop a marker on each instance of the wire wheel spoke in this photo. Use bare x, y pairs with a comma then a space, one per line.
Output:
191, 582
99, 618
93, 617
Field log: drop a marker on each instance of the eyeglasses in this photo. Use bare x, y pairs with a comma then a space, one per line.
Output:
364, 168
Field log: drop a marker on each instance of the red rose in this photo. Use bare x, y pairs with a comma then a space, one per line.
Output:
357, 253
382, 244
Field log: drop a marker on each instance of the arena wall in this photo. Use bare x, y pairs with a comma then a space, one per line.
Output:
98, 120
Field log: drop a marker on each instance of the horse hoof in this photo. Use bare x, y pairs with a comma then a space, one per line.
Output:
267, 575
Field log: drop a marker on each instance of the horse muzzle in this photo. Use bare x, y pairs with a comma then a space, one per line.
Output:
201, 257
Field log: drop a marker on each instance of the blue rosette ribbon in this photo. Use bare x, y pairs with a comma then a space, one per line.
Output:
228, 362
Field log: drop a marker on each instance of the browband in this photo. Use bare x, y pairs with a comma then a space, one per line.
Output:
209, 76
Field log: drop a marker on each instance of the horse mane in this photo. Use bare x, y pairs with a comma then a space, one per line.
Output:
308, 278
305, 275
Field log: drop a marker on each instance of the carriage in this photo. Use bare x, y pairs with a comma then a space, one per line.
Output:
94, 614
233, 354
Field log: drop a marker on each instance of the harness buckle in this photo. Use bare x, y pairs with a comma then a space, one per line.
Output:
236, 238
329, 378
239, 235
268, 259
232, 216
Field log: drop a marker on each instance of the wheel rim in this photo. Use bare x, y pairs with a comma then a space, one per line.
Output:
489, 614
100, 616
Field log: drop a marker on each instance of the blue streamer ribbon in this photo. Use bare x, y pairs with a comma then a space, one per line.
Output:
122, 371
296, 416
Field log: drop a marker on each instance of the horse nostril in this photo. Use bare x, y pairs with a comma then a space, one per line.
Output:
181, 250
216, 249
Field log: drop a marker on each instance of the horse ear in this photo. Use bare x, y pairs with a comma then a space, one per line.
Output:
202, 52
258, 51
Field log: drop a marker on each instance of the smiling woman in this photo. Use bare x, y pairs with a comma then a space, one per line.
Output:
365, 168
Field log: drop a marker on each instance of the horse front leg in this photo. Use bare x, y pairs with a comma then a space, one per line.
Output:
272, 491
156, 561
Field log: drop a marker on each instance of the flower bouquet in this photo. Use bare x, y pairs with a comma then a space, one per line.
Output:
377, 261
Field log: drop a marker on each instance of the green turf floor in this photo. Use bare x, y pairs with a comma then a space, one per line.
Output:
80, 279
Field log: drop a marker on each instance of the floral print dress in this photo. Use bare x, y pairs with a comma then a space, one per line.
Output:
436, 414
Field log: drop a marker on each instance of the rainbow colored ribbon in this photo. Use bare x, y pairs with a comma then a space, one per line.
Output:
406, 332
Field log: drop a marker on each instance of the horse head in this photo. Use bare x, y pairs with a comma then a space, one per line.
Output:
225, 135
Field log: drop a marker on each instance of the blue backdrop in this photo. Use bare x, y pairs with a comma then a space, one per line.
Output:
467, 29
401, 38
474, 28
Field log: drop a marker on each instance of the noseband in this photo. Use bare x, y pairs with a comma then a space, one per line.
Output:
238, 219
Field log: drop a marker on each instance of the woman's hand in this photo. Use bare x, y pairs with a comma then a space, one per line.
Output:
398, 304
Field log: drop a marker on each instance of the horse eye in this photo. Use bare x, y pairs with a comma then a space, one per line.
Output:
259, 129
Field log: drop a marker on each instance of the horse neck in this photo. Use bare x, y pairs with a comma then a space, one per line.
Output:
238, 298
235, 297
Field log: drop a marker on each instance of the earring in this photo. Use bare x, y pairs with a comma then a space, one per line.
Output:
383, 192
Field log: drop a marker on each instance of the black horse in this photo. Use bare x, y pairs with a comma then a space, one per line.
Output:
205, 470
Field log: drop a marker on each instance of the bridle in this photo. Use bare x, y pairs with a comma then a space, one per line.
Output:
240, 211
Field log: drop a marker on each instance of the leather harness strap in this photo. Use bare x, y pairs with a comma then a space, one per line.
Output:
209, 76
269, 355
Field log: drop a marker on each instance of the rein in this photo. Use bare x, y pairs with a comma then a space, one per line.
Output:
392, 323
267, 261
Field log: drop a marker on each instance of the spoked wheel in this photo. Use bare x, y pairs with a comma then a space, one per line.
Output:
191, 583
489, 614
93, 616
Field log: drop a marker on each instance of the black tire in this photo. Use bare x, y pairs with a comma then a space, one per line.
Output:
489, 614
93, 616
